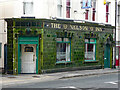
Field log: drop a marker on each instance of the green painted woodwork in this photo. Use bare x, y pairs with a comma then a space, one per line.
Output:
28, 40
19, 59
37, 48
111, 52
107, 56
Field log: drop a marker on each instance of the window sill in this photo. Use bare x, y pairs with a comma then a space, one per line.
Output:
63, 62
91, 61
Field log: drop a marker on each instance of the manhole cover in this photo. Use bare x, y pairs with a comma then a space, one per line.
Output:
36, 76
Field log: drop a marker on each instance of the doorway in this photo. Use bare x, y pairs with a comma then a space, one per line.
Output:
28, 58
107, 56
28, 54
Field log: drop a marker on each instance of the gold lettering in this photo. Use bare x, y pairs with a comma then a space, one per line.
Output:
59, 26
98, 29
76, 27
85, 28
91, 28
80, 27
65, 26
71, 26
52, 25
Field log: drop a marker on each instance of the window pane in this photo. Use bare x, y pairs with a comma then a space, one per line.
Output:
107, 11
67, 8
89, 51
63, 52
59, 2
86, 14
59, 39
28, 49
28, 7
67, 12
119, 15
66, 39
59, 10
68, 3
94, 4
86, 40
92, 40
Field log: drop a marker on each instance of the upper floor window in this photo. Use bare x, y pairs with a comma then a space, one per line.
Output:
119, 15
27, 8
93, 10
86, 14
67, 8
59, 8
107, 12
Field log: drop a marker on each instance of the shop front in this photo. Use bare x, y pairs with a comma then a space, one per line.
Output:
38, 46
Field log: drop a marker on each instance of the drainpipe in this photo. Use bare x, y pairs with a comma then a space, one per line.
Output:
115, 32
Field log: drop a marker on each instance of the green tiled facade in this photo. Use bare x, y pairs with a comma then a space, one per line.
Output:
47, 36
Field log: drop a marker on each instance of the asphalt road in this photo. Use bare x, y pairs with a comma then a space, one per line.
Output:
94, 82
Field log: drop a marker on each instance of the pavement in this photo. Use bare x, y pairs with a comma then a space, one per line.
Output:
28, 78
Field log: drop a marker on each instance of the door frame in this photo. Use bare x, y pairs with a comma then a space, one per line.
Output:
27, 40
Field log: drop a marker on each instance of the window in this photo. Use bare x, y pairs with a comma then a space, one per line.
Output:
27, 8
90, 45
68, 9
93, 11
0, 49
63, 49
59, 8
28, 49
119, 15
107, 12
86, 14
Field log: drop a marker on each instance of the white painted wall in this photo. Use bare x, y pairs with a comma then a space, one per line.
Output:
3, 40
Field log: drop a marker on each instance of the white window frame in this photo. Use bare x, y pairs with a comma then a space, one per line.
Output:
27, 10
67, 54
59, 8
94, 4
88, 54
118, 15
69, 9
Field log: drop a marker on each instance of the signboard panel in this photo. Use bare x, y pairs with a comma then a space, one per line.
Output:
75, 27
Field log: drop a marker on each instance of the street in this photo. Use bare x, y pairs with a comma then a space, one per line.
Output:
93, 81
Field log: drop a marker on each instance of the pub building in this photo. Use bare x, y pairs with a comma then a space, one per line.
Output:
43, 45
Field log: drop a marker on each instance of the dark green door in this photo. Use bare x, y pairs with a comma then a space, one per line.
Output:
107, 56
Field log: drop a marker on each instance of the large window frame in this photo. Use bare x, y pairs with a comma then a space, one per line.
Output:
59, 8
94, 11
107, 12
68, 8
90, 42
86, 14
67, 43
118, 15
